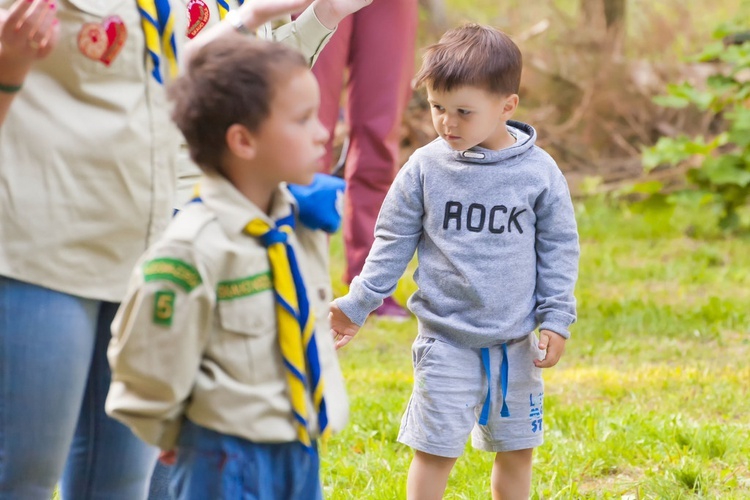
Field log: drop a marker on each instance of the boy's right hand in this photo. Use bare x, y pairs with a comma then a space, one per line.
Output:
342, 328
168, 457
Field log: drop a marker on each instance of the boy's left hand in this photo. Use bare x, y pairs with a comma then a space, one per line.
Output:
554, 344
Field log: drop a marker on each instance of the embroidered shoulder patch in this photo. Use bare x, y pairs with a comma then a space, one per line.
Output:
243, 287
178, 272
163, 308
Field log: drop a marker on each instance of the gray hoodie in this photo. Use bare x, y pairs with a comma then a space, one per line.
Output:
496, 241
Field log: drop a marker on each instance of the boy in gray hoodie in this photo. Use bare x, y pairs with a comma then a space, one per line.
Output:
490, 216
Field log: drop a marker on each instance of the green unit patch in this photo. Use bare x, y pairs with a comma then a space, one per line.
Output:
181, 273
164, 307
234, 289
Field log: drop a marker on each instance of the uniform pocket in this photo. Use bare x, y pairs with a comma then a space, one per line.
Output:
254, 316
246, 343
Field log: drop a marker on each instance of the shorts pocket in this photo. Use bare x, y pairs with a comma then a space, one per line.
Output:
420, 349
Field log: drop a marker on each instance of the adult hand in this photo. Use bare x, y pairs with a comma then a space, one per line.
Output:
554, 344
331, 12
29, 30
342, 328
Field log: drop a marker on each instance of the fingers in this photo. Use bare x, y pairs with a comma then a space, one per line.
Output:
341, 340
31, 28
553, 345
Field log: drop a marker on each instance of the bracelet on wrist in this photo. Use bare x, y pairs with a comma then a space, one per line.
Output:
9, 89
236, 21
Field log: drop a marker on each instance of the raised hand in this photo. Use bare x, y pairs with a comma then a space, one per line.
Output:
29, 30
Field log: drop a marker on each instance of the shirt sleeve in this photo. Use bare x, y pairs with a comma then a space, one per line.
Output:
306, 34
158, 337
557, 253
397, 233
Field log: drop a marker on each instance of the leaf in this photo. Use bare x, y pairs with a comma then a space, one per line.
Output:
725, 170
648, 187
671, 101
667, 150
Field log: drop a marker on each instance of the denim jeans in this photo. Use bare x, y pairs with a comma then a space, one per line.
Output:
221, 467
54, 378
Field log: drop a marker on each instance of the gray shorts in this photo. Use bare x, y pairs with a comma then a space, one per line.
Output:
450, 389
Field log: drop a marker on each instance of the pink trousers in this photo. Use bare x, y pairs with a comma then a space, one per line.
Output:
376, 46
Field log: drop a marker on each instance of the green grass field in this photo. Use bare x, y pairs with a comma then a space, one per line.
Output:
650, 400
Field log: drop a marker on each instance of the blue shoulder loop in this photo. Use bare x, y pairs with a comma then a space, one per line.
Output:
320, 203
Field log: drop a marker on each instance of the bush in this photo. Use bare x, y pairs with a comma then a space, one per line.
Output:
718, 166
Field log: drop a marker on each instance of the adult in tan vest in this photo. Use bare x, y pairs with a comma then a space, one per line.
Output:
87, 182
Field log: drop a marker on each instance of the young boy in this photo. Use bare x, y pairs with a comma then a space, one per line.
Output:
220, 349
491, 219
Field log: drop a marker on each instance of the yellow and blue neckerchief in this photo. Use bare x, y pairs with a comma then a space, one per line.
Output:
157, 20
223, 6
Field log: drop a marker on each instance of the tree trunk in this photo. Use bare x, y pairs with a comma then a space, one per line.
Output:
606, 20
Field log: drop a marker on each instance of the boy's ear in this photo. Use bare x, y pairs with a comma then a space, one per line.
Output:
511, 103
241, 142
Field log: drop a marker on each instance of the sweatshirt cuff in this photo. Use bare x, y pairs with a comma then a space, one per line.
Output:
558, 323
358, 304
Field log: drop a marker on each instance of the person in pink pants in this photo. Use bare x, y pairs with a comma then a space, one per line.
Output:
376, 46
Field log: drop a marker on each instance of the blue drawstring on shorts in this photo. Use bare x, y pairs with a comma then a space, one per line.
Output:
504, 412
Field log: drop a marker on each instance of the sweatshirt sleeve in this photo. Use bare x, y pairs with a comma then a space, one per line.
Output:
557, 253
158, 337
306, 34
397, 233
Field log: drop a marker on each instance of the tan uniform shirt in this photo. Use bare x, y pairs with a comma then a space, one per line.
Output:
306, 34
87, 158
196, 334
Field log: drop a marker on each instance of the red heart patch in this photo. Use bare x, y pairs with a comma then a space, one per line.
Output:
198, 15
102, 42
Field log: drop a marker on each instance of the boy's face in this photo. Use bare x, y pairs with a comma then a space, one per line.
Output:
468, 116
291, 142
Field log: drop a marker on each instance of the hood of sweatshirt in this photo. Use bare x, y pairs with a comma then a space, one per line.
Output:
525, 139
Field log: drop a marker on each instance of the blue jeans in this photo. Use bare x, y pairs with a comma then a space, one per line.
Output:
54, 377
221, 467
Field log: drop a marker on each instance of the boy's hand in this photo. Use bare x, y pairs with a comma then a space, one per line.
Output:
342, 328
168, 457
554, 344
331, 12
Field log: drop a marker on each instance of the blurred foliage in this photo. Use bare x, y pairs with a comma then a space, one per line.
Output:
718, 166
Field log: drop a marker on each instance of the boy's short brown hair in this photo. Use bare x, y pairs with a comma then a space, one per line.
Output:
475, 55
231, 80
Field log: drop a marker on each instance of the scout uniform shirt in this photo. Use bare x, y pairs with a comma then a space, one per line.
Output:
87, 156
196, 336
306, 34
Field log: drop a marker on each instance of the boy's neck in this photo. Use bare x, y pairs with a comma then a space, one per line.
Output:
259, 193
507, 140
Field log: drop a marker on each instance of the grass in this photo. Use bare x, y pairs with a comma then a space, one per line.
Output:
649, 401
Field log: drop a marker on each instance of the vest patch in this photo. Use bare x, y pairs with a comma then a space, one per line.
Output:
178, 272
243, 287
163, 308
